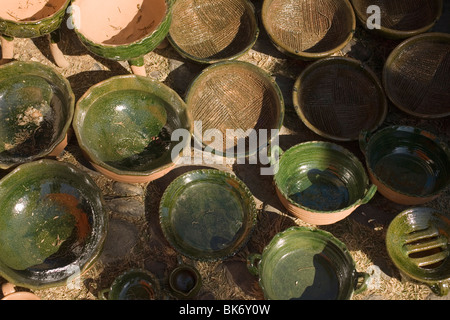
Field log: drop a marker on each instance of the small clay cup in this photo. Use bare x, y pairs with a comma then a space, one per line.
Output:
185, 281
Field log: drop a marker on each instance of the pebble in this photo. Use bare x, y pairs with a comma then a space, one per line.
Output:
121, 237
127, 207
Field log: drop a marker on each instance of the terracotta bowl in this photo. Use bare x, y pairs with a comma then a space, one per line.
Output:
52, 224
307, 264
36, 110
409, 165
207, 214
321, 182
209, 31
338, 97
416, 75
122, 29
239, 96
124, 127
401, 18
308, 29
10, 292
417, 242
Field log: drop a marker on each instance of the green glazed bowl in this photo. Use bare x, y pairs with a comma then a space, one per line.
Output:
321, 182
134, 284
409, 165
52, 224
124, 126
16, 22
417, 241
36, 110
303, 263
207, 214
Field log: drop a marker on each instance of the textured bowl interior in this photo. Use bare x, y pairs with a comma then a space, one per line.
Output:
29, 10
417, 75
212, 30
338, 98
135, 284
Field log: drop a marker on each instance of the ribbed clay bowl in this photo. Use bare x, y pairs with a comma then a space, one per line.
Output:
31, 18
309, 29
121, 29
338, 97
36, 110
416, 75
208, 31
234, 95
400, 18
124, 126
52, 224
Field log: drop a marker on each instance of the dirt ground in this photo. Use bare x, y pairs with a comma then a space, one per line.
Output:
363, 232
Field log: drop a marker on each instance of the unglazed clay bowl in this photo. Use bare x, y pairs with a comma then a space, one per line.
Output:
36, 110
209, 31
308, 29
321, 182
10, 292
52, 224
417, 241
401, 18
124, 127
409, 165
306, 264
207, 214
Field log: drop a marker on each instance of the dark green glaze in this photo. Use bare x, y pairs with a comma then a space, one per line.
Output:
135, 284
132, 50
35, 28
124, 124
207, 214
322, 177
306, 264
36, 110
417, 241
52, 223
185, 281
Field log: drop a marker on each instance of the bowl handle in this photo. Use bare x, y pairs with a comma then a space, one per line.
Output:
363, 285
253, 263
440, 288
369, 194
102, 294
364, 137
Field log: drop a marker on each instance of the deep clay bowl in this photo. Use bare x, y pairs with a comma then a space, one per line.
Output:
321, 182
124, 127
52, 224
400, 18
237, 96
416, 75
308, 29
306, 264
209, 31
36, 110
417, 241
338, 97
409, 165
207, 214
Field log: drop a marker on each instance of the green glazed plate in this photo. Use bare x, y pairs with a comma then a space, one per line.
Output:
207, 214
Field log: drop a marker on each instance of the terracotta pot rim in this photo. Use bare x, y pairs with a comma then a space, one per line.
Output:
34, 22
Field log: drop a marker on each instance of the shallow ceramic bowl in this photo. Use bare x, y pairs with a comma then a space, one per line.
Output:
52, 224
409, 165
207, 214
124, 126
417, 241
36, 110
121, 29
308, 29
209, 31
338, 97
238, 96
31, 18
416, 75
321, 182
400, 18
307, 264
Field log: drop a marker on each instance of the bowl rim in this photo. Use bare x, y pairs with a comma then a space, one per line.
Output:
395, 53
40, 21
70, 106
79, 115
250, 7
304, 54
358, 67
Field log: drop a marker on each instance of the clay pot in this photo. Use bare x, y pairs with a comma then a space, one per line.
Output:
10, 293
409, 165
184, 281
321, 182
